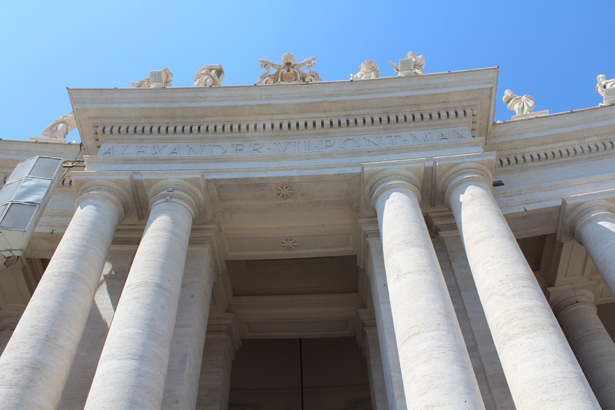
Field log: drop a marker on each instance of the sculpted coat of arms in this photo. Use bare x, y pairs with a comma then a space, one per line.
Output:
288, 72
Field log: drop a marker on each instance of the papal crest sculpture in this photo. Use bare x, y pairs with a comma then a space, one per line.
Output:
288, 72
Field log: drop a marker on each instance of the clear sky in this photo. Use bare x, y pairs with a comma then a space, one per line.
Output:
552, 50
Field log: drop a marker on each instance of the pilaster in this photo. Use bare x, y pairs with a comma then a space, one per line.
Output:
221, 343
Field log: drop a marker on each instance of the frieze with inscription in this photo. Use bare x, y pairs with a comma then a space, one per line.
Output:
291, 146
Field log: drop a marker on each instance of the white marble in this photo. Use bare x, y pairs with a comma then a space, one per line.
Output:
603, 84
133, 365
519, 104
182, 381
592, 345
541, 370
411, 65
387, 341
289, 72
609, 96
487, 366
247, 141
209, 76
593, 225
107, 295
432, 352
157, 79
367, 70
37, 360
61, 127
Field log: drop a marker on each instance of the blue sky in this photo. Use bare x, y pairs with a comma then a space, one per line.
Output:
550, 50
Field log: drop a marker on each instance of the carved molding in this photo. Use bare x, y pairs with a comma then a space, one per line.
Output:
555, 153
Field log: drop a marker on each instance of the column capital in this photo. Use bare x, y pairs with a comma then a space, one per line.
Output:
577, 211
563, 298
107, 190
177, 191
379, 177
450, 172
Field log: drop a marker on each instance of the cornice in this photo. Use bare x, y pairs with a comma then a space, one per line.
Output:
19, 150
555, 130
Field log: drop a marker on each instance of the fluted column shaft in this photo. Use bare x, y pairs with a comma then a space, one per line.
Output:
37, 360
132, 369
540, 367
591, 343
436, 368
594, 228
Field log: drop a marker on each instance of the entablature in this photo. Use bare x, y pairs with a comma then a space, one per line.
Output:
556, 136
197, 114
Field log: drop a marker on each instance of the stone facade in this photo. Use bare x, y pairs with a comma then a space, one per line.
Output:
375, 244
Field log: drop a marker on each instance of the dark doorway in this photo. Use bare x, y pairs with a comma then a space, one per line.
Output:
267, 375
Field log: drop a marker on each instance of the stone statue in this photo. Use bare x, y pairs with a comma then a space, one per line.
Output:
209, 76
367, 70
603, 84
147, 83
411, 65
60, 128
520, 105
288, 72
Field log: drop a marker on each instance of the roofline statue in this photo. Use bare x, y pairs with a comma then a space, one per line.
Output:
288, 72
209, 76
61, 127
519, 104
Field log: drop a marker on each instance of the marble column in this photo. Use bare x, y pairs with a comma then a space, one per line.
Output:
541, 370
593, 225
592, 345
38, 358
387, 342
132, 369
107, 296
435, 365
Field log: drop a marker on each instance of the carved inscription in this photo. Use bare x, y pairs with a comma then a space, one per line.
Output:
286, 146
